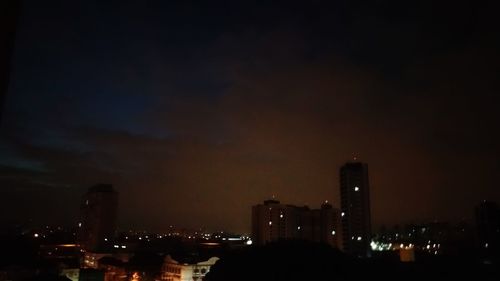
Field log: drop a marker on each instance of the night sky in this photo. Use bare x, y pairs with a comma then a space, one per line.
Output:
196, 111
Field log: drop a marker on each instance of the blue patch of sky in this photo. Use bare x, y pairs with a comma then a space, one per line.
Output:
10, 158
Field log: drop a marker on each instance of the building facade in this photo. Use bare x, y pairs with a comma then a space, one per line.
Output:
488, 227
272, 221
174, 270
97, 217
355, 208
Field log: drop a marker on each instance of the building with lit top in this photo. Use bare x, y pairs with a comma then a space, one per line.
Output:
272, 221
97, 217
355, 207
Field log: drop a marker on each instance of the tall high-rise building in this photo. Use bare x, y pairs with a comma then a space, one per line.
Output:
97, 217
355, 207
488, 226
329, 228
273, 221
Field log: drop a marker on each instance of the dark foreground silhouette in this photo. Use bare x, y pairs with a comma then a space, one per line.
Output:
300, 260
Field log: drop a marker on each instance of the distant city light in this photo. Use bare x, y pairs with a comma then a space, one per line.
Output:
79, 224
298, 227
135, 276
270, 223
356, 188
380, 246
249, 242
486, 245
35, 235
124, 247
359, 238
333, 232
342, 214
281, 216
105, 239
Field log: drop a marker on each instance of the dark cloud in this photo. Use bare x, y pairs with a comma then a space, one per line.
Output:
216, 108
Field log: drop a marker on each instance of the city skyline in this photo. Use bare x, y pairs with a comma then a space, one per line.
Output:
196, 111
